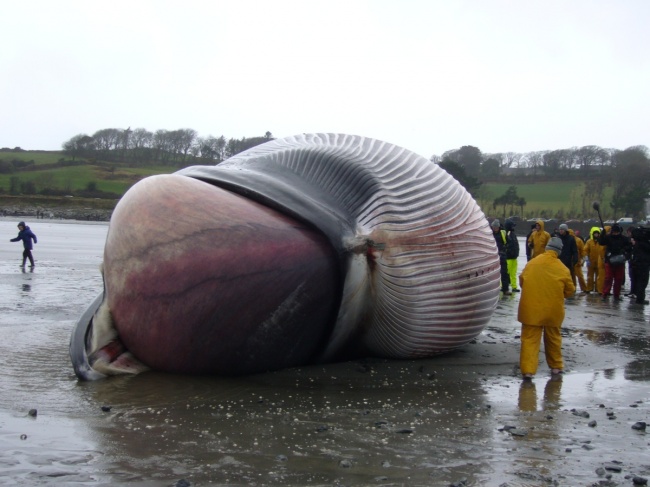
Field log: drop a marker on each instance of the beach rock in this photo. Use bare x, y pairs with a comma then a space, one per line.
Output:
640, 426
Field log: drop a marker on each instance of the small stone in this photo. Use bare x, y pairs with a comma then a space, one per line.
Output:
182, 483
610, 413
611, 417
345, 463
640, 426
601, 405
33, 413
587, 447
600, 471
518, 432
385, 464
461, 483
639, 480
106, 409
634, 405
322, 428
23, 437
580, 412
613, 467
281, 458
592, 423
405, 431
568, 450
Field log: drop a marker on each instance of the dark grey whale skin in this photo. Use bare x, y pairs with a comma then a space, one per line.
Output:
419, 264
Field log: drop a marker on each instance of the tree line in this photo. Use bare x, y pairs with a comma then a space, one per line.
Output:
168, 147
626, 171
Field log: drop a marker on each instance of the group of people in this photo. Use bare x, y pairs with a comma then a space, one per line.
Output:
554, 268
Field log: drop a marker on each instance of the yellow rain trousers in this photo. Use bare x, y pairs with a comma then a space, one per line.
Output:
545, 283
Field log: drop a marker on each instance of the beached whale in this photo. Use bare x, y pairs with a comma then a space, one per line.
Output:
307, 249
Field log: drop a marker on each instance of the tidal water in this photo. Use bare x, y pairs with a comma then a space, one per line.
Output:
463, 418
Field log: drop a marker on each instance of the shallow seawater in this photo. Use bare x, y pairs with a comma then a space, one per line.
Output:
461, 417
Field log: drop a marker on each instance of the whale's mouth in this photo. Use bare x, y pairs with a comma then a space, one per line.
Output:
96, 349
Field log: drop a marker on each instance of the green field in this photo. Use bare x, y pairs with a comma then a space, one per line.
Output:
562, 200
39, 157
558, 199
113, 178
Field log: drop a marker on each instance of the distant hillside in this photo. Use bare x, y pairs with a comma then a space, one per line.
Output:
36, 177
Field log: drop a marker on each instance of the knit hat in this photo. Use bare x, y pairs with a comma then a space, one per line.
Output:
21, 224
496, 223
555, 244
564, 227
616, 228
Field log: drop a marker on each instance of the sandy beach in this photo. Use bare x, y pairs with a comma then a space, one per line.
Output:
463, 419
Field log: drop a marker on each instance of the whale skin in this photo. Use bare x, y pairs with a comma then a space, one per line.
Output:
307, 249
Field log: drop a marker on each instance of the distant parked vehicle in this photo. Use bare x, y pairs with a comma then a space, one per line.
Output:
625, 221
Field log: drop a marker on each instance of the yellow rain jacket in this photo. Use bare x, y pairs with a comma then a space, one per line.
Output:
539, 239
593, 250
545, 283
580, 244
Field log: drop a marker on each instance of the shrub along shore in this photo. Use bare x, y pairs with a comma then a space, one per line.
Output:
56, 208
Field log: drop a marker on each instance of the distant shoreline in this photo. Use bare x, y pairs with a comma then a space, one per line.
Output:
56, 208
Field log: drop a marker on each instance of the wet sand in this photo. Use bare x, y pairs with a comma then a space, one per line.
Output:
464, 418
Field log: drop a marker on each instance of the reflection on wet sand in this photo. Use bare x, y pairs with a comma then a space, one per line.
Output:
551, 400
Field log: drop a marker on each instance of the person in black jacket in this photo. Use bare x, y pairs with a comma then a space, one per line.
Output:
512, 253
500, 239
569, 255
617, 250
640, 263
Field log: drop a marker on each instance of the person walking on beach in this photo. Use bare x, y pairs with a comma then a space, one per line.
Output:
545, 283
26, 235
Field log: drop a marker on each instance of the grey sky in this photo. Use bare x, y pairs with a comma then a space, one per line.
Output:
427, 75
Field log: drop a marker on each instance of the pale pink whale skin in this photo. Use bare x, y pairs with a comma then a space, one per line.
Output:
201, 280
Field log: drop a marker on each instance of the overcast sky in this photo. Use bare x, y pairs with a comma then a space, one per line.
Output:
426, 75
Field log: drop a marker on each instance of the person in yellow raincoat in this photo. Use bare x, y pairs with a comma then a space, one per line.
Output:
577, 269
595, 255
545, 283
538, 239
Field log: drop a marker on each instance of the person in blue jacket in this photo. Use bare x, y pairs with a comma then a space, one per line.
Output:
26, 235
